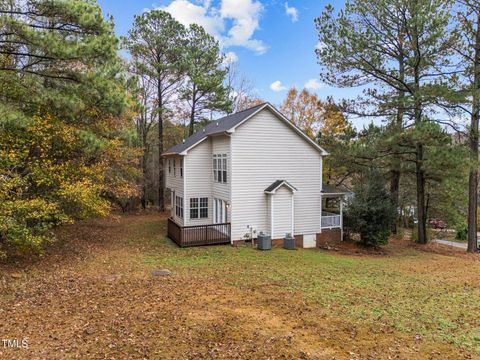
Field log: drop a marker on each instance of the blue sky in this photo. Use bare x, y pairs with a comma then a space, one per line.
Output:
272, 41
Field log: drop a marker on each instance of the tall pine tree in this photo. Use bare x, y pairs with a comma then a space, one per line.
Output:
204, 88
468, 18
399, 51
157, 44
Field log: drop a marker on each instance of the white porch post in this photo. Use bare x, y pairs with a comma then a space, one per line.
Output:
321, 207
341, 217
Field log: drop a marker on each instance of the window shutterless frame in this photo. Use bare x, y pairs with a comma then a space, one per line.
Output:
199, 208
219, 168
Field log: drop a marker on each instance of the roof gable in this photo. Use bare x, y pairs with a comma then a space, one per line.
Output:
230, 123
278, 184
213, 127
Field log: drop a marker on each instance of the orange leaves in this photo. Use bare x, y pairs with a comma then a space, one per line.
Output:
305, 110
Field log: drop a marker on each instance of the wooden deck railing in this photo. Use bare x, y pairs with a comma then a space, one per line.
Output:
198, 235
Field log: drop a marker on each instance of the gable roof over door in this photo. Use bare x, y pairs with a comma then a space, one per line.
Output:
228, 124
277, 184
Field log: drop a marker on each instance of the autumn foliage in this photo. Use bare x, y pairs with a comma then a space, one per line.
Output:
65, 121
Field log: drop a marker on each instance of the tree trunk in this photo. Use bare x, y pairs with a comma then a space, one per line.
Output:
192, 113
419, 171
396, 162
420, 175
394, 188
144, 178
473, 176
161, 179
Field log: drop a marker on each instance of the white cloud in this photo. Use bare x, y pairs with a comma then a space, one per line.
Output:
292, 12
320, 45
277, 86
188, 13
242, 16
230, 57
313, 84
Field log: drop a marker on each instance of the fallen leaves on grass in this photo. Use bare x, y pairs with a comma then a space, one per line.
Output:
93, 296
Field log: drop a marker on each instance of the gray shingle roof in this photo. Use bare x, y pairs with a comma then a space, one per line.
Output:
214, 127
329, 189
276, 184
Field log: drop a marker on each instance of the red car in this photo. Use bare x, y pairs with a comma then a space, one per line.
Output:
437, 224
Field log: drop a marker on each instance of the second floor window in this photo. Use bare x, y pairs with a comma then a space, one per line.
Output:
220, 168
181, 168
174, 167
169, 166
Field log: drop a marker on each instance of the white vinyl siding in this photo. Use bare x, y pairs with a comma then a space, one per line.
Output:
221, 145
282, 212
174, 183
265, 149
198, 180
173, 180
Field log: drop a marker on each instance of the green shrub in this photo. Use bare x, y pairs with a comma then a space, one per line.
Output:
462, 232
371, 213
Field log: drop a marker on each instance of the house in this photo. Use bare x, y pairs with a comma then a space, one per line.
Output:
249, 172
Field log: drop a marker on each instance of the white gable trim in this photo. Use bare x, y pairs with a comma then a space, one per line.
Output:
288, 122
283, 183
184, 152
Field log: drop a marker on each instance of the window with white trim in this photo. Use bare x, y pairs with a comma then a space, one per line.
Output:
179, 206
219, 211
169, 166
199, 208
174, 167
220, 168
181, 168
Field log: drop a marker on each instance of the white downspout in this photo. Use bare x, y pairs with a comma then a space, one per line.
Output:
271, 216
230, 183
293, 215
184, 160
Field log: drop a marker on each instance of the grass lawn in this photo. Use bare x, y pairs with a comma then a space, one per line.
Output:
93, 296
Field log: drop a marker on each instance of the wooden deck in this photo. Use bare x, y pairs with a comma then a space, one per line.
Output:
200, 235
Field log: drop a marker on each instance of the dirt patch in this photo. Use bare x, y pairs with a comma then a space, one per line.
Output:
351, 247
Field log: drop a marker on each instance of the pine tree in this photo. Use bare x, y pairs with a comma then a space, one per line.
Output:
468, 19
157, 44
204, 88
399, 50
